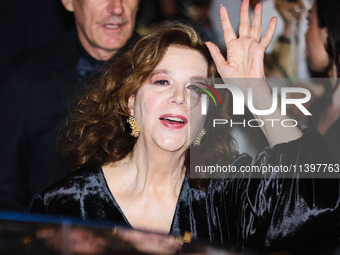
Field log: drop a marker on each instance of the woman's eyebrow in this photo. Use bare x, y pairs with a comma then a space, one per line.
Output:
199, 79
162, 71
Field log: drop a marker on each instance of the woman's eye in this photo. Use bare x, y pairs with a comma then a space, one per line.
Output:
194, 88
162, 82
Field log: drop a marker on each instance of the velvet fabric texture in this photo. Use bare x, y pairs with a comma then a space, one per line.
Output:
269, 213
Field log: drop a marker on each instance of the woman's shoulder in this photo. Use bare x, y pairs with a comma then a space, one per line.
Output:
84, 182
79, 179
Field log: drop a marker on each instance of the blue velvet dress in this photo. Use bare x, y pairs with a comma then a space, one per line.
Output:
271, 213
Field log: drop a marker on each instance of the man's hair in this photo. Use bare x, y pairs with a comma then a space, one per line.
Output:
95, 131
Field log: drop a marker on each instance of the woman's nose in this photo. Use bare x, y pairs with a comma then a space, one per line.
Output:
179, 96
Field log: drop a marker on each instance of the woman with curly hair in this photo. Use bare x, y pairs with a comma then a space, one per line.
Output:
130, 137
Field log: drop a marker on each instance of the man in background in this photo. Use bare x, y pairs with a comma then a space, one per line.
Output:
38, 85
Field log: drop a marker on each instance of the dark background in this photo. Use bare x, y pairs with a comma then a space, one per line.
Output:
27, 24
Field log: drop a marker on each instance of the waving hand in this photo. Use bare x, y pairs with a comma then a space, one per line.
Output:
245, 53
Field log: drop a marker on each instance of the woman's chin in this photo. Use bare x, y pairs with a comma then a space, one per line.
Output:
172, 145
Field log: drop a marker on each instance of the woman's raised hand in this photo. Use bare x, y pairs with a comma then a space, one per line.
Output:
245, 53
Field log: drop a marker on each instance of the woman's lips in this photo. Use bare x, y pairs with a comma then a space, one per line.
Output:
173, 121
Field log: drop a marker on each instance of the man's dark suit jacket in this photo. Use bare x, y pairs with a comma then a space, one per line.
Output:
32, 105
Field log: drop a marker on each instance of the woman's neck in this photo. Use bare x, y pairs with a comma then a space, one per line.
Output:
156, 169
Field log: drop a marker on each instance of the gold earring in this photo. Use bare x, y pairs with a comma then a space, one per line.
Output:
197, 141
134, 130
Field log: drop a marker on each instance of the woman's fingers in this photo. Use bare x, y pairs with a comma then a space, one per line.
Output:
217, 56
268, 36
228, 31
244, 27
255, 31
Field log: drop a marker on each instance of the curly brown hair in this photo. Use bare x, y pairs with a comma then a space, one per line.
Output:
95, 131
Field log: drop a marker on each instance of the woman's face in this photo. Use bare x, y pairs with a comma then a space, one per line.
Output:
162, 105
316, 40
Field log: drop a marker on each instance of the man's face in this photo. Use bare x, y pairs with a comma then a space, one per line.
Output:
103, 26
